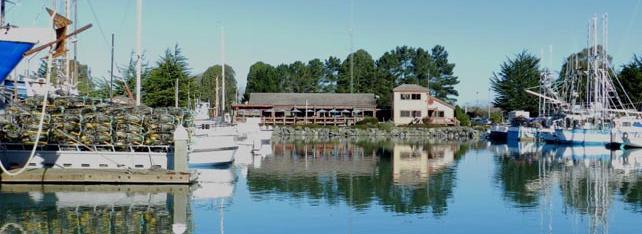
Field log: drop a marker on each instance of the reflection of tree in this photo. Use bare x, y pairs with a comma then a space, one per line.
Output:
514, 175
359, 190
134, 219
415, 199
632, 194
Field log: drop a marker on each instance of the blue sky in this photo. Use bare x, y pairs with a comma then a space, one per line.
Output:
479, 35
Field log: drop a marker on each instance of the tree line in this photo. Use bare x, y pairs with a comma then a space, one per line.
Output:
360, 73
159, 82
523, 71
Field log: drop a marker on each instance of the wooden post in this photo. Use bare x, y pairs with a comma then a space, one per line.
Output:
181, 138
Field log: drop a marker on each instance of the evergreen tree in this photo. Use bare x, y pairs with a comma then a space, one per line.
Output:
128, 74
577, 64
328, 82
362, 75
631, 78
207, 84
516, 74
160, 86
261, 79
442, 80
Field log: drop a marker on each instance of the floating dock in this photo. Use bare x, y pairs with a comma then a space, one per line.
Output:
99, 176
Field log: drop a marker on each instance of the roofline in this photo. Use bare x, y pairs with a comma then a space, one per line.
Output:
442, 102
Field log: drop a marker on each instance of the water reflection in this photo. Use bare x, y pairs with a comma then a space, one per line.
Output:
589, 178
93, 209
403, 178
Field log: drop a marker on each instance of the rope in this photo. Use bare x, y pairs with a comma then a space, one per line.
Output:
100, 27
42, 119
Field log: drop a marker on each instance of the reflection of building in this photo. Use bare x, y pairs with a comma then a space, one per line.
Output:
307, 108
413, 103
318, 158
413, 164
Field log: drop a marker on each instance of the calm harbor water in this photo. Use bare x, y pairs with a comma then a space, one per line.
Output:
361, 187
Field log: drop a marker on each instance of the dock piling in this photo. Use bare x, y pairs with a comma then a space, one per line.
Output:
181, 139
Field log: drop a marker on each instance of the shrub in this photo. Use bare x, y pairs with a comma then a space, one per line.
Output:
370, 121
462, 117
387, 126
496, 117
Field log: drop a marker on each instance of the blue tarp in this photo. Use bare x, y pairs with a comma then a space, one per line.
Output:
10, 55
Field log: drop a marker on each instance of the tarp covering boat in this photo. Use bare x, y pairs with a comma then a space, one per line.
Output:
11, 53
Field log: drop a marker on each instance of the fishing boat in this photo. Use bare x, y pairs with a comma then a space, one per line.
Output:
627, 132
589, 99
498, 133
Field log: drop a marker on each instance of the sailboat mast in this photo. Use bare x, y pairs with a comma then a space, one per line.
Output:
67, 55
2, 9
74, 79
352, 46
223, 71
139, 62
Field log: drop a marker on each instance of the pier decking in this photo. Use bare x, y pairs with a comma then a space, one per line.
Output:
94, 176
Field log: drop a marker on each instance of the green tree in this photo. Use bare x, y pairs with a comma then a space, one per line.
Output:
509, 83
631, 78
363, 73
313, 76
128, 75
207, 84
261, 79
442, 81
574, 73
331, 68
160, 86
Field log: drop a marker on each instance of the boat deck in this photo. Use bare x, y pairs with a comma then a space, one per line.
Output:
99, 176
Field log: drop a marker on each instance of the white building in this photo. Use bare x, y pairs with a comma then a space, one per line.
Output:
413, 103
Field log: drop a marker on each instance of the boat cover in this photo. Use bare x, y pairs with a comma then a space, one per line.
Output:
11, 53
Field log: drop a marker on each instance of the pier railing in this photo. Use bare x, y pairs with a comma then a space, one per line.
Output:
325, 121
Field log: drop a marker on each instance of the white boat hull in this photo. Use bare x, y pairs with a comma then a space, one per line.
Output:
583, 136
213, 156
86, 159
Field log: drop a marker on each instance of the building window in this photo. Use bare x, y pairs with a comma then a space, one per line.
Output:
410, 96
416, 113
440, 114
405, 113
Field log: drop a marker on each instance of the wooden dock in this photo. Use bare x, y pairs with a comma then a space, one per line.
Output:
99, 176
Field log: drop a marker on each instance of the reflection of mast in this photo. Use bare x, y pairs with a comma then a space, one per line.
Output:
221, 208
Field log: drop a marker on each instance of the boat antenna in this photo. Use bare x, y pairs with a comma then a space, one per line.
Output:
139, 57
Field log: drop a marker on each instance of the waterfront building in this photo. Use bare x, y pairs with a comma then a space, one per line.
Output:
332, 109
413, 103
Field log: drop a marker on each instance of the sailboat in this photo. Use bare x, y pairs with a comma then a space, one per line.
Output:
588, 103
